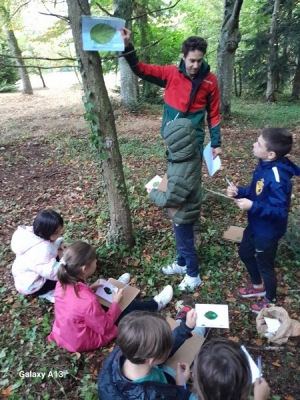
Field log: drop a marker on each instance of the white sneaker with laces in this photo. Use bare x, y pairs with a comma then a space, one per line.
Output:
124, 278
163, 298
189, 282
48, 296
174, 269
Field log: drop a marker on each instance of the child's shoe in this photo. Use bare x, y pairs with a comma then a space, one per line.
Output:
182, 313
181, 316
264, 303
189, 282
250, 291
163, 298
125, 278
48, 296
174, 269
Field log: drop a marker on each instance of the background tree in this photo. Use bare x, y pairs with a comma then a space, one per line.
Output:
128, 81
8, 73
101, 117
273, 50
228, 43
7, 17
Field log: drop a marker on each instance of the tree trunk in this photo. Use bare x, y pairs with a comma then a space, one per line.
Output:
41, 76
296, 81
16, 52
101, 117
271, 76
128, 80
228, 43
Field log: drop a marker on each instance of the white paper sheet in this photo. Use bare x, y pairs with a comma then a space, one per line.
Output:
105, 291
273, 325
153, 184
253, 366
212, 164
220, 321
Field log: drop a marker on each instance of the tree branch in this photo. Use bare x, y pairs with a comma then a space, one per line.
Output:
153, 11
37, 66
67, 19
40, 58
18, 9
105, 11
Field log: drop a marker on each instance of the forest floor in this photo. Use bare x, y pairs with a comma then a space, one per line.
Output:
46, 161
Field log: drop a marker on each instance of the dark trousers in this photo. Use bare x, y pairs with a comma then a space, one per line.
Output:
259, 255
137, 305
47, 287
187, 254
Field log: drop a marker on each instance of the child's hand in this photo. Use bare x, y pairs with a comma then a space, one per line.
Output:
182, 374
149, 190
117, 297
191, 317
95, 285
244, 204
261, 389
232, 191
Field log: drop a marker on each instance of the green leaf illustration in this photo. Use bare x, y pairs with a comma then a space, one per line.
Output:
211, 315
102, 33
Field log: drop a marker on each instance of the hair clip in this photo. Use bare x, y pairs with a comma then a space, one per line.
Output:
62, 261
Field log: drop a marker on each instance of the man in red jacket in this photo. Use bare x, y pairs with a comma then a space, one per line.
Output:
191, 90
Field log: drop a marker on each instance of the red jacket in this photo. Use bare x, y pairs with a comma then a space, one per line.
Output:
80, 323
179, 89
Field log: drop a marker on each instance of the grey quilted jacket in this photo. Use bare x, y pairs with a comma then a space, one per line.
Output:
183, 173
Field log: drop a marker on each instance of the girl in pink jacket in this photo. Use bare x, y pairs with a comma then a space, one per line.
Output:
38, 249
81, 324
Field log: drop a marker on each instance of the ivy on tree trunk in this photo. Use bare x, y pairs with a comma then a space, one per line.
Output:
101, 118
270, 93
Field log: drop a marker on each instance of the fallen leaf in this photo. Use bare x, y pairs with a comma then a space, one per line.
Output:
236, 312
196, 294
234, 339
205, 278
288, 398
276, 363
258, 342
7, 391
231, 299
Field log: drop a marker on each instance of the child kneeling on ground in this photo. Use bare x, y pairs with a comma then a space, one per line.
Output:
81, 324
221, 371
134, 370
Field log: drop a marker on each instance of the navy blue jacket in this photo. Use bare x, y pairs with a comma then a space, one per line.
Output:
270, 191
112, 385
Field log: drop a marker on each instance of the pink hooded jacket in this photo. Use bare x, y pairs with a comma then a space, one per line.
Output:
80, 323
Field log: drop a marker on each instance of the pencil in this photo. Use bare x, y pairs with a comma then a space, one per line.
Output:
182, 377
259, 368
230, 184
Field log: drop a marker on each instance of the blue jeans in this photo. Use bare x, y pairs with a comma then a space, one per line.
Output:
187, 254
259, 255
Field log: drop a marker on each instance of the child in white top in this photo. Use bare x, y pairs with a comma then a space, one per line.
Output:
38, 249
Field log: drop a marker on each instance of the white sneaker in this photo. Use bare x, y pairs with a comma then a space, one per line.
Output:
174, 269
48, 296
163, 298
189, 282
125, 278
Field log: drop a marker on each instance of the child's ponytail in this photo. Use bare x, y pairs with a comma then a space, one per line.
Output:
76, 256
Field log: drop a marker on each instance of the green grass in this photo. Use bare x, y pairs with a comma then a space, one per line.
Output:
253, 114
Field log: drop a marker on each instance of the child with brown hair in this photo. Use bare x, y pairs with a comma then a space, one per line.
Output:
81, 323
221, 371
135, 368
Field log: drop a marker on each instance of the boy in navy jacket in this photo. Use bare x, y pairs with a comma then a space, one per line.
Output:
267, 200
